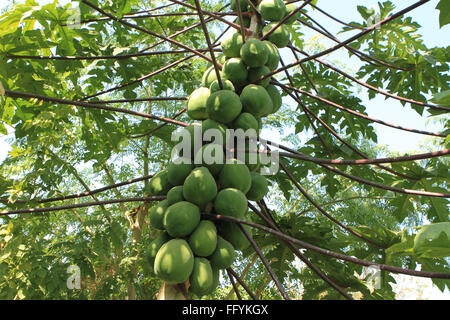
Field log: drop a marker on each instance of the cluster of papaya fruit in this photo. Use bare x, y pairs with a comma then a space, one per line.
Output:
191, 248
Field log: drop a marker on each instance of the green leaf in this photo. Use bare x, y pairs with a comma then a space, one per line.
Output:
442, 98
444, 16
2, 89
433, 241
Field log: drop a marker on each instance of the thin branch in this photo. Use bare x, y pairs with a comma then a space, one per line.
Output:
363, 116
236, 290
242, 283
81, 205
82, 194
208, 42
351, 39
139, 100
425, 274
304, 157
337, 136
231, 24
23, 95
160, 126
301, 256
265, 263
241, 19
105, 57
334, 18
361, 55
148, 76
364, 84
304, 107
179, 44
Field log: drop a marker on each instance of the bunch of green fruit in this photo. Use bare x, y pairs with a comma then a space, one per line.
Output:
190, 248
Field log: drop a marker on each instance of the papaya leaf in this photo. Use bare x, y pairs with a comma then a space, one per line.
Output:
433, 241
444, 16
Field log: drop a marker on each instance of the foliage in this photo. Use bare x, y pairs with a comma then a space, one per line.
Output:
60, 150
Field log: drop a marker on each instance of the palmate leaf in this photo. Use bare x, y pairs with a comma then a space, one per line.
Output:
433, 241
444, 16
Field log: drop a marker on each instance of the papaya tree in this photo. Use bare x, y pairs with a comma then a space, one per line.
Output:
141, 164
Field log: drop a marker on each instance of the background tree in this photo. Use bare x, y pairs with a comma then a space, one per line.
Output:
93, 91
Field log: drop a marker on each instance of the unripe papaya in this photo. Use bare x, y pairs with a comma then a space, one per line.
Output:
272, 10
232, 233
174, 261
235, 174
254, 53
200, 187
289, 8
246, 21
219, 129
242, 3
159, 184
274, 55
202, 278
224, 106
275, 96
256, 100
231, 46
226, 85
280, 37
175, 195
196, 104
154, 247
216, 279
212, 157
245, 121
254, 75
157, 213
231, 202
181, 219
235, 70
177, 172
209, 76
221, 58
203, 240
259, 187
224, 254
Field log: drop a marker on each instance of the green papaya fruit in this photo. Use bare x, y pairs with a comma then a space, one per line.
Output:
235, 174
259, 187
231, 45
224, 106
178, 171
231, 202
256, 100
280, 37
254, 53
196, 104
175, 195
157, 213
174, 261
181, 219
224, 254
202, 278
203, 240
200, 187
159, 184
272, 10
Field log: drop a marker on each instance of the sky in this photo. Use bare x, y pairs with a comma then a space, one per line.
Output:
389, 110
